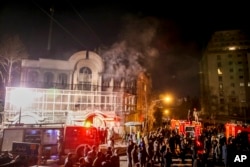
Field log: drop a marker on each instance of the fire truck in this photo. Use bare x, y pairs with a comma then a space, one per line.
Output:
42, 142
186, 128
233, 130
75, 136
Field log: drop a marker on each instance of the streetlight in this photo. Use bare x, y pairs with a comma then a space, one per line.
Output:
166, 99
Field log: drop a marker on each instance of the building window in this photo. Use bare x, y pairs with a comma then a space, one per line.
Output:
232, 85
231, 77
218, 57
85, 78
241, 77
230, 62
219, 64
62, 80
221, 86
220, 78
233, 100
233, 92
231, 70
229, 55
32, 78
219, 71
222, 101
48, 80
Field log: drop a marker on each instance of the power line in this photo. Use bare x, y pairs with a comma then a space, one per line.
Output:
60, 25
88, 26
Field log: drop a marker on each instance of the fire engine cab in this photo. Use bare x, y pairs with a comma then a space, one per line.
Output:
75, 136
186, 128
42, 142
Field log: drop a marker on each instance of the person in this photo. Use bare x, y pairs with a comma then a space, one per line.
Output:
109, 151
142, 156
82, 162
156, 148
224, 154
134, 154
115, 160
195, 114
197, 161
129, 152
69, 160
98, 160
168, 158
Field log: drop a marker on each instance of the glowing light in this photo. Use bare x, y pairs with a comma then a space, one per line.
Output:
166, 111
87, 124
219, 71
168, 99
22, 97
232, 48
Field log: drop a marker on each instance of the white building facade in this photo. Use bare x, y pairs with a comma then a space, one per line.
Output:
71, 91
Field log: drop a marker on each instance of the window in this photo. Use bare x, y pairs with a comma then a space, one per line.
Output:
219, 71
189, 129
218, 57
86, 74
222, 101
220, 78
62, 79
48, 79
230, 56
230, 62
242, 84
219, 64
85, 78
231, 70
232, 85
32, 78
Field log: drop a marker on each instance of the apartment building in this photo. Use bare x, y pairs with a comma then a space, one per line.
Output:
224, 76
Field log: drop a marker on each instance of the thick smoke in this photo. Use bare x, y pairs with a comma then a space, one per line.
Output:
134, 50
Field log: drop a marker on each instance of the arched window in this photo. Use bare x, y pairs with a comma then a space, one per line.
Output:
48, 80
32, 78
62, 80
85, 78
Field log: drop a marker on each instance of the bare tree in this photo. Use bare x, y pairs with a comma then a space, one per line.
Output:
12, 51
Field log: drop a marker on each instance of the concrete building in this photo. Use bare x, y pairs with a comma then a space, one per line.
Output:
76, 91
224, 76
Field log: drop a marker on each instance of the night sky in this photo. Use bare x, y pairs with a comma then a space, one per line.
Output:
164, 38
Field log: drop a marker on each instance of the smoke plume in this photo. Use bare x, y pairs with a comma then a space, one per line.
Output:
133, 52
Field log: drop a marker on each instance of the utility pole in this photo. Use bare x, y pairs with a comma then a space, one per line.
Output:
50, 28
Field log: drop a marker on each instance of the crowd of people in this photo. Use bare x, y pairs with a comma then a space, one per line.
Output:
209, 149
87, 156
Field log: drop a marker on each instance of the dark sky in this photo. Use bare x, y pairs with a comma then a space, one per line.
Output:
166, 38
